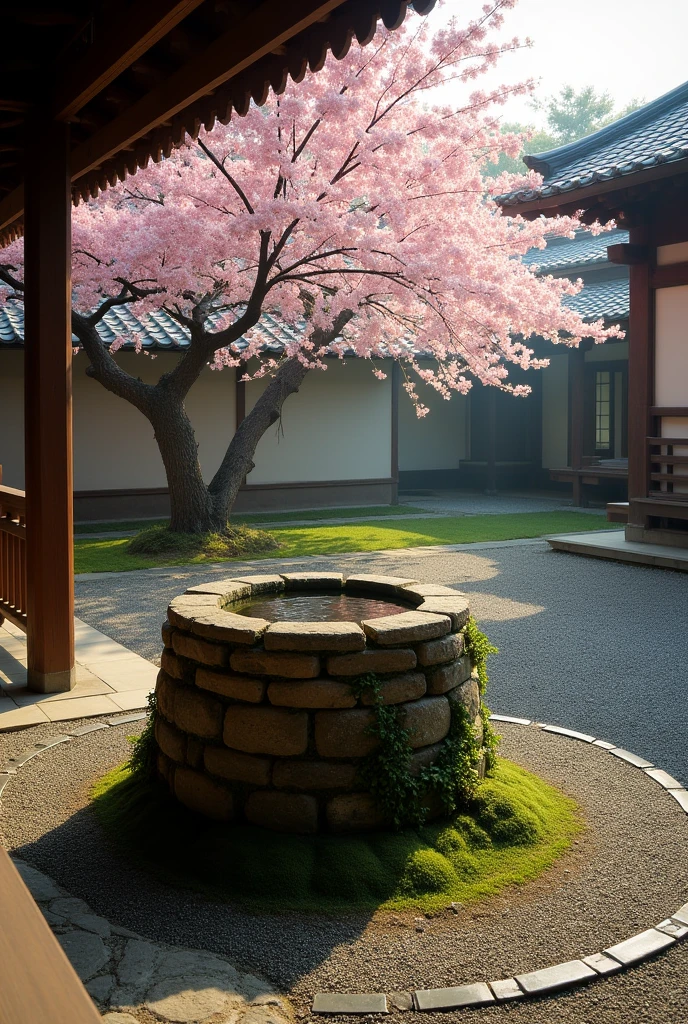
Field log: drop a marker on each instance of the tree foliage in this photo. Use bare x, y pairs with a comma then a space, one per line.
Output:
350, 207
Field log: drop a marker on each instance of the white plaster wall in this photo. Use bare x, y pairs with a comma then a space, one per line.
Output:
12, 412
671, 346
676, 253
440, 439
338, 427
555, 412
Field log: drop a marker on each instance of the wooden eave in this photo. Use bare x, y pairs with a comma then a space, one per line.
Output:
132, 87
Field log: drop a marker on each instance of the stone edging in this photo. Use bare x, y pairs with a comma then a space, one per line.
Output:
541, 982
558, 977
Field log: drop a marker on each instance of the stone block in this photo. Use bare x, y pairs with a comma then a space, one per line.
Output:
228, 590
419, 591
194, 752
200, 650
392, 585
345, 733
681, 798
436, 652
266, 730
640, 947
316, 775
273, 663
455, 607
427, 720
183, 609
350, 1003
204, 795
665, 780
634, 759
601, 964
311, 693
229, 764
424, 757
478, 994
263, 583
443, 678
313, 580
506, 989
314, 636
468, 695
353, 812
246, 688
406, 628
570, 733
284, 812
550, 979
511, 719
228, 627
170, 741
409, 686
681, 915
170, 663
165, 691
197, 713
380, 662
164, 766
669, 927
166, 632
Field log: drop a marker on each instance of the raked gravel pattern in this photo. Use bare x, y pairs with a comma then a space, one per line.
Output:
596, 646
627, 872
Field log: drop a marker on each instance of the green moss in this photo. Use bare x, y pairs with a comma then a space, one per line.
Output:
514, 829
234, 542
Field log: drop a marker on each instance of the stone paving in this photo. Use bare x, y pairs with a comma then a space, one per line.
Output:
475, 503
133, 977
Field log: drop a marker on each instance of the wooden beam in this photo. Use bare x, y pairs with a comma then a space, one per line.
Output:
48, 410
116, 47
577, 417
491, 439
641, 375
672, 275
38, 981
628, 255
261, 32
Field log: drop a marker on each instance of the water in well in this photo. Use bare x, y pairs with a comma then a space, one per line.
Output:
322, 607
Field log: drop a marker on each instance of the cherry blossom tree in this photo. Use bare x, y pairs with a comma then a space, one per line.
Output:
354, 208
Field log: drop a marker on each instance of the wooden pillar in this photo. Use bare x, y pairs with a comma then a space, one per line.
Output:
640, 379
48, 409
491, 469
394, 468
577, 419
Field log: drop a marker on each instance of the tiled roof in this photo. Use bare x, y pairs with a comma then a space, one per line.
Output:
585, 250
606, 300
655, 134
156, 331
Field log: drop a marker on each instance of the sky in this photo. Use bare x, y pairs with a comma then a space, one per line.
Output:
630, 48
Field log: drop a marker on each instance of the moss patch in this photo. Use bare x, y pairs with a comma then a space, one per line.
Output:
513, 830
234, 542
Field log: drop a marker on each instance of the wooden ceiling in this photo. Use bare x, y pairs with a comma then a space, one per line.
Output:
134, 76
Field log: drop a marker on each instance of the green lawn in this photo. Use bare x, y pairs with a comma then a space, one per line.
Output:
112, 555
260, 517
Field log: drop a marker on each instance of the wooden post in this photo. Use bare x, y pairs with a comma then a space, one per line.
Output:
48, 409
640, 379
396, 384
577, 400
491, 469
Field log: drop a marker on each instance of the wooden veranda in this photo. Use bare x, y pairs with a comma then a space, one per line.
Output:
91, 90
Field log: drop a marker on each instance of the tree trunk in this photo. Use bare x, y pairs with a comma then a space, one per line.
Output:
191, 505
238, 460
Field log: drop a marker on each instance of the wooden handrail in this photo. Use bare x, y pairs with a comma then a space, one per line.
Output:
669, 410
12, 555
38, 981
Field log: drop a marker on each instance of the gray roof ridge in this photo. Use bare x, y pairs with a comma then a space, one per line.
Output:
551, 161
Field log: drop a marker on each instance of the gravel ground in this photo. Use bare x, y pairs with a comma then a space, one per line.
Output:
588, 644
627, 872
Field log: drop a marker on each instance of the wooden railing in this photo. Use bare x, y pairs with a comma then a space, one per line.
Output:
12, 555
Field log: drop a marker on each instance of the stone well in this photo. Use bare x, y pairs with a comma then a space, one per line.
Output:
256, 720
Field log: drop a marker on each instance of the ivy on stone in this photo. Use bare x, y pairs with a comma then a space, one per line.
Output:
479, 648
142, 760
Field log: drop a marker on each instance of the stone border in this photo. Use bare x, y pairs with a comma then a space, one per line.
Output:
546, 980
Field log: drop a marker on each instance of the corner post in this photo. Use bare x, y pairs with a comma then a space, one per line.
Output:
48, 409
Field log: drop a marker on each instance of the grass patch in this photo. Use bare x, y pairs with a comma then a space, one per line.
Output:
257, 517
116, 555
513, 830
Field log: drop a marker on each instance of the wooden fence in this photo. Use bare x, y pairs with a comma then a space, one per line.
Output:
12, 555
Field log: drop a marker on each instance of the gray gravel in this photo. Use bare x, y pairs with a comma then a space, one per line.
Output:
596, 646
627, 872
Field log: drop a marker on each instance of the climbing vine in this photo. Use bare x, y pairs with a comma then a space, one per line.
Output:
142, 760
404, 797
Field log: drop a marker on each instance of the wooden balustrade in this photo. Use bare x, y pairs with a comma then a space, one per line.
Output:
12, 555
